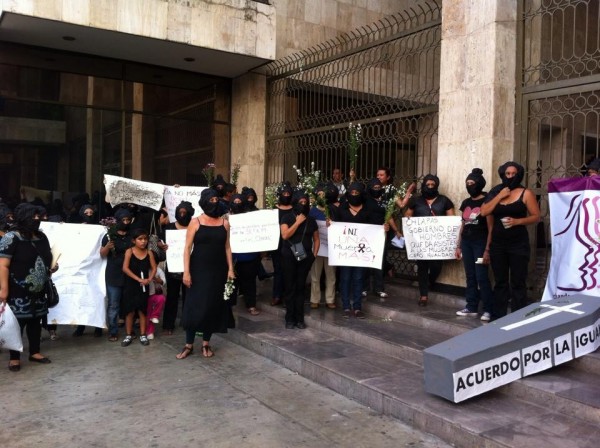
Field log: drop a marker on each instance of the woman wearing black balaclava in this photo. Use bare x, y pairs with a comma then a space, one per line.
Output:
175, 288
429, 203
205, 271
297, 228
87, 214
474, 244
284, 199
25, 259
513, 207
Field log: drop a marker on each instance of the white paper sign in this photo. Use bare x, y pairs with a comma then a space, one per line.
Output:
323, 237
120, 190
431, 237
80, 278
358, 245
174, 196
176, 242
254, 231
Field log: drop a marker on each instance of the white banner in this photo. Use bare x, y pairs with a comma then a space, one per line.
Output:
431, 237
357, 245
80, 277
176, 243
174, 196
575, 229
120, 190
254, 231
324, 240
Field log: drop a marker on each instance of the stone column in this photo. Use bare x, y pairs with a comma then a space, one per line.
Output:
477, 97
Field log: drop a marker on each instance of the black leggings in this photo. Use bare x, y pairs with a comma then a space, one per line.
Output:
428, 271
33, 329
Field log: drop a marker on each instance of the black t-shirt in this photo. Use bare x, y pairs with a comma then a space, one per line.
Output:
438, 207
311, 227
475, 225
366, 215
114, 260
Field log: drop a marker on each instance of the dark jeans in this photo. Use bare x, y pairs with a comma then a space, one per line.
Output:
478, 280
175, 287
510, 264
351, 283
33, 329
277, 275
246, 272
295, 274
428, 271
190, 337
373, 278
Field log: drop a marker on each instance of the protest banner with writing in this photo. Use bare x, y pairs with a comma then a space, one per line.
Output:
31, 193
174, 196
575, 228
254, 231
324, 240
120, 190
431, 237
176, 242
358, 245
80, 278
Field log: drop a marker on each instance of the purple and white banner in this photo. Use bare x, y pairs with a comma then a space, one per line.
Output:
575, 229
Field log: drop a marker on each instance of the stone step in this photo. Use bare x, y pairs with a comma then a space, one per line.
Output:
394, 386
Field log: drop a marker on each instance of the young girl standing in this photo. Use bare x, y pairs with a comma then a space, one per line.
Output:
139, 267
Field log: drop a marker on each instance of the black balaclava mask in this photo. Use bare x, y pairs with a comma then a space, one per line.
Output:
331, 194
515, 181
24, 218
5, 221
184, 219
119, 215
299, 208
355, 200
85, 218
249, 196
211, 209
236, 205
477, 177
218, 185
594, 165
375, 193
430, 193
284, 188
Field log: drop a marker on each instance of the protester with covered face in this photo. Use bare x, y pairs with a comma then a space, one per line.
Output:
474, 248
373, 278
206, 270
25, 259
284, 199
593, 168
300, 235
250, 198
429, 203
175, 288
114, 245
6, 219
513, 207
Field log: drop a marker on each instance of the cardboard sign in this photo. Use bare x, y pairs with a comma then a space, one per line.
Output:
254, 231
357, 245
174, 196
431, 237
176, 242
120, 190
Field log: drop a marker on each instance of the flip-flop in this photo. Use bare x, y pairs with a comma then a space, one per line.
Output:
253, 311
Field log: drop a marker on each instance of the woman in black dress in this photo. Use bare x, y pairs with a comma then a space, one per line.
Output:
206, 268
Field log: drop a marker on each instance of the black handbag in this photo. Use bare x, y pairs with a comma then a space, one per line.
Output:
153, 240
52, 297
298, 248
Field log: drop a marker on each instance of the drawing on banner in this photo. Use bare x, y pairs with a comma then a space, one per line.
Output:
359, 245
323, 236
431, 237
254, 231
120, 190
176, 242
174, 196
575, 225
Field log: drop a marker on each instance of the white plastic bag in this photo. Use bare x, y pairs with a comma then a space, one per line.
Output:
10, 332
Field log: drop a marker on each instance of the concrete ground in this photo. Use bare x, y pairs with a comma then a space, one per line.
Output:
99, 394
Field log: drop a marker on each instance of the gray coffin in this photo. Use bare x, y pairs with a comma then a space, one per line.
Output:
527, 341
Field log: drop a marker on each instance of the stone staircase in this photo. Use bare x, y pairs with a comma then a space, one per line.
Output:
378, 362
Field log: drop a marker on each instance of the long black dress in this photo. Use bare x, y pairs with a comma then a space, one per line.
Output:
134, 296
205, 309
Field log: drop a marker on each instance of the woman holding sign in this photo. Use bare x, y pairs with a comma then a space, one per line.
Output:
430, 203
513, 207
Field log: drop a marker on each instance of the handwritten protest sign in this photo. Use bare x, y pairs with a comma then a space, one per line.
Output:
80, 277
176, 242
120, 190
323, 248
174, 196
254, 231
358, 245
431, 237
31, 193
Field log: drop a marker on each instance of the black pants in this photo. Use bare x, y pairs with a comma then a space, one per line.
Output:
175, 287
246, 272
295, 274
510, 264
428, 271
33, 329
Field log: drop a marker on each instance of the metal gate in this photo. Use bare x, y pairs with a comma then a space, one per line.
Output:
385, 77
559, 89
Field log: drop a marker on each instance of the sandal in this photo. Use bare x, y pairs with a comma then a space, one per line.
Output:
14, 367
422, 301
207, 351
185, 352
253, 311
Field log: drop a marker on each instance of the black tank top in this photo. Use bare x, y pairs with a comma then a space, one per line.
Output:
516, 209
